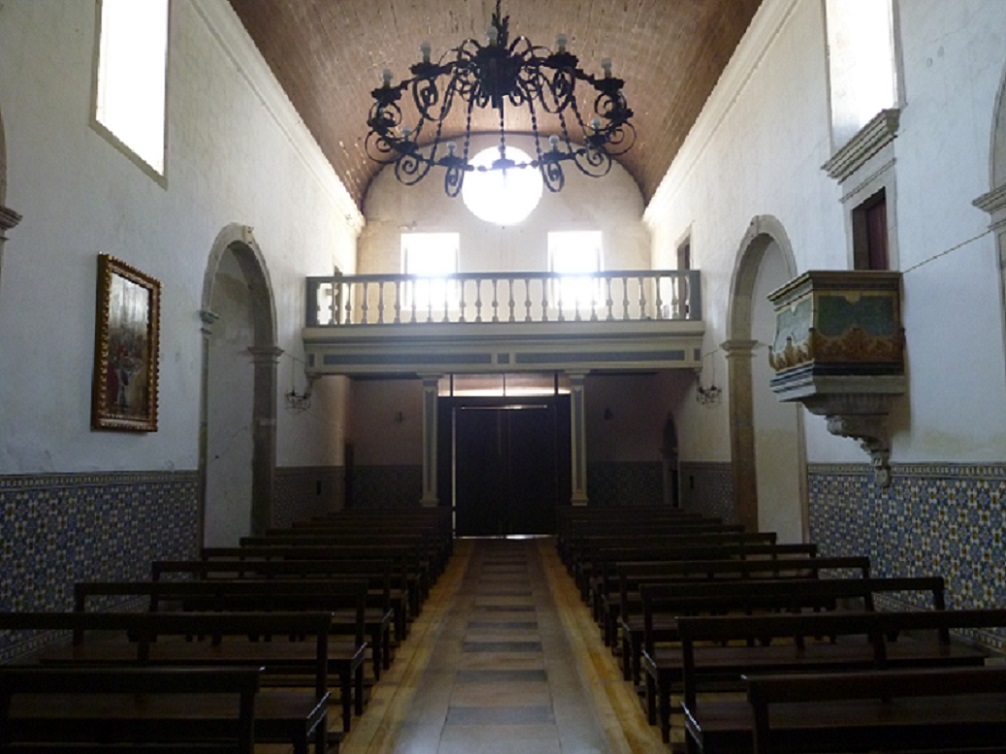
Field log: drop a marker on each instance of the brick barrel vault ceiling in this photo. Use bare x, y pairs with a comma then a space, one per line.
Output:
328, 55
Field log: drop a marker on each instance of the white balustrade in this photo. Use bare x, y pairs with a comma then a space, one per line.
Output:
374, 300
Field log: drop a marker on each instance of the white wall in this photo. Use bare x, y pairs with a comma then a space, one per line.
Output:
379, 438
758, 150
613, 205
236, 154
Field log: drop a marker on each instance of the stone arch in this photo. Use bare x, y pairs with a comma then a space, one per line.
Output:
3, 163
765, 235
239, 241
994, 202
997, 167
8, 217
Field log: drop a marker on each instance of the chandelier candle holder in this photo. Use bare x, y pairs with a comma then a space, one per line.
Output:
499, 74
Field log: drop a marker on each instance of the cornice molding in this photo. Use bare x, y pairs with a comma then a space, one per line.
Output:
768, 21
8, 218
226, 27
994, 203
874, 136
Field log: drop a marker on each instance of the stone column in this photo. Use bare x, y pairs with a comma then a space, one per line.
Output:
265, 360
431, 384
742, 461
208, 319
578, 438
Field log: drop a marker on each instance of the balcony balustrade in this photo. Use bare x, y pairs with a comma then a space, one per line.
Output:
516, 297
481, 323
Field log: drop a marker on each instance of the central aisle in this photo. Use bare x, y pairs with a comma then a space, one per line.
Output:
503, 660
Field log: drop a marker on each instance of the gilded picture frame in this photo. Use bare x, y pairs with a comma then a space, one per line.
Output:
126, 348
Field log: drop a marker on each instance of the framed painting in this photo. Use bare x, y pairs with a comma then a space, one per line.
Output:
126, 348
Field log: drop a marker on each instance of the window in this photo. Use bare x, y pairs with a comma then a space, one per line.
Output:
869, 234
431, 257
576, 255
131, 77
502, 197
521, 385
861, 64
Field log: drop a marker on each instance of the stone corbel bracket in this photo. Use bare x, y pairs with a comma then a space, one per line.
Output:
861, 417
8, 219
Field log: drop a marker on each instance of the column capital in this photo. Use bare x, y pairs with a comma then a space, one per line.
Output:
738, 348
265, 354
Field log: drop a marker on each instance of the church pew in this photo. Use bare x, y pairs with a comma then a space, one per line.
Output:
422, 572
572, 519
866, 641
282, 715
664, 664
379, 613
597, 576
433, 549
943, 709
583, 547
405, 583
631, 575
152, 710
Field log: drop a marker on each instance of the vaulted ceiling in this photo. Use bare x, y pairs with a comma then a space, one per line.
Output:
329, 54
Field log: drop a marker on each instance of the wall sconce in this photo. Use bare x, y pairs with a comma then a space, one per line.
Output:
297, 402
708, 396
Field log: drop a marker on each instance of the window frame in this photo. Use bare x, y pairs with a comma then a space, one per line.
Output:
159, 176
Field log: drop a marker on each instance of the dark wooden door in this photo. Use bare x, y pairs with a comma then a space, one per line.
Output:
507, 472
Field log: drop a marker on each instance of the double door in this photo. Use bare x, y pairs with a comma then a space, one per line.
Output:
504, 464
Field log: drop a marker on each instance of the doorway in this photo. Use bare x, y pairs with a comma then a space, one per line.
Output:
504, 463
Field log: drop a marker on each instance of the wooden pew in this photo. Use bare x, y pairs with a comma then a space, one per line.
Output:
945, 709
438, 520
866, 641
570, 520
585, 548
289, 716
434, 551
666, 666
420, 571
663, 627
152, 710
599, 578
378, 616
405, 585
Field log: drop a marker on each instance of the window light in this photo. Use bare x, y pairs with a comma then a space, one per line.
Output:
501, 197
575, 254
432, 257
131, 77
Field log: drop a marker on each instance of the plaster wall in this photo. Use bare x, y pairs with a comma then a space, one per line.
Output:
378, 437
758, 150
229, 414
776, 434
954, 60
235, 154
613, 205
620, 426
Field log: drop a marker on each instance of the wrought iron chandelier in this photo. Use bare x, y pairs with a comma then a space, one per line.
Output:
499, 74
